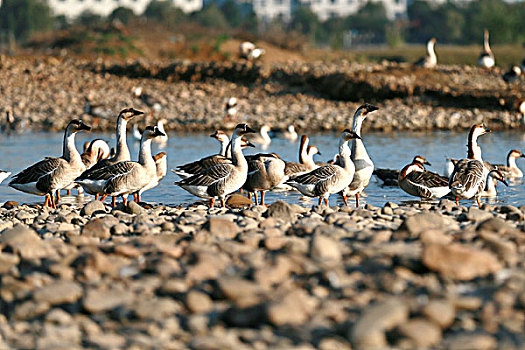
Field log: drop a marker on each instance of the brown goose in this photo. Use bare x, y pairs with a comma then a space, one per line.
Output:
52, 174
389, 176
511, 170
490, 188
161, 165
486, 58
418, 182
265, 171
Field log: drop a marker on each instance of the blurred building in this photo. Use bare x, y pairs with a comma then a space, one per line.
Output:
73, 8
325, 9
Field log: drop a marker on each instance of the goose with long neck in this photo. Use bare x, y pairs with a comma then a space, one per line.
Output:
418, 182
265, 172
486, 58
124, 178
331, 178
492, 178
161, 166
469, 176
430, 60
52, 174
511, 170
222, 179
364, 167
306, 159
262, 137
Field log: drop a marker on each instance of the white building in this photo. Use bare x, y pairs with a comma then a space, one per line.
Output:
325, 9
73, 8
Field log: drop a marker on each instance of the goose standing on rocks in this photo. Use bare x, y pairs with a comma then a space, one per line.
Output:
262, 138
490, 188
486, 58
364, 167
265, 171
470, 174
86, 179
127, 177
418, 182
222, 179
331, 178
390, 176
430, 60
230, 109
512, 75
4, 175
161, 165
52, 174
511, 170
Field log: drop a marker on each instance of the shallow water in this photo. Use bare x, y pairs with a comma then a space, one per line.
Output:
393, 150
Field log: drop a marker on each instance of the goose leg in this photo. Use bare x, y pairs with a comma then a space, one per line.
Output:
113, 201
479, 203
58, 196
357, 200
326, 202
124, 199
53, 203
223, 203
256, 198
262, 198
103, 197
139, 197
457, 201
46, 202
97, 196
320, 201
135, 198
212, 202
345, 199
69, 192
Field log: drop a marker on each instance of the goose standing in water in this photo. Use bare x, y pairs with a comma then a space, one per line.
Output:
486, 58
490, 188
4, 175
265, 171
511, 170
418, 182
222, 179
430, 60
162, 141
161, 165
364, 167
306, 159
329, 179
127, 177
122, 154
470, 174
230, 109
390, 176
262, 138
289, 134
52, 174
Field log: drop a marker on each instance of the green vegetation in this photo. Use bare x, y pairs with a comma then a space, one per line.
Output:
21, 18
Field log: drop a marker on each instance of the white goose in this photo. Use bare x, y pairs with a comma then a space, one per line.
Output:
331, 178
230, 110
468, 178
162, 141
364, 167
124, 178
222, 179
4, 175
430, 60
262, 138
52, 174
161, 165
290, 133
486, 58
490, 188
511, 170
265, 172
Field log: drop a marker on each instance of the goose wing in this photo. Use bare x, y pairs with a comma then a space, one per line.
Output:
213, 178
386, 174
292, 168
467, 173
428, 179
36, 171
108, 172
202, 164
116, 175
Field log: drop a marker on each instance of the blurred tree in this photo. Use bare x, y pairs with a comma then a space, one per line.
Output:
232, 13
304, 20
371, 20
123, 14
164, 12
89, 19
21, 18
211, 16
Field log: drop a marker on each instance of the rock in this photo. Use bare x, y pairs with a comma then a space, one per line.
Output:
293, 309
59, 292
10, 205
496, 225
96, 228
369, 329
242, 292
100, 300
419, 223
107, 341
156, 309
238, 201
459, 262
8, 261
198, 302
25, 242
471, 341
325, 248
281, 210
134, 208
423, 333
93, 207
441, 312
477, 215
221, 227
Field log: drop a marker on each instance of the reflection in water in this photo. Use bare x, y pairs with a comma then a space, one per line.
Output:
386, 150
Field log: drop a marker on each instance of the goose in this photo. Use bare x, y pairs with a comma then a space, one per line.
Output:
329, 179
512, 75
364, 167
450, 163
418, 182
189, 169
492, 178
122, 154
265, 171
135, 133
289, 134
52, 174
262, 138
149, 100
256, 54
468, 178
306, 159
245, 48
230, 109
161, 166
486, 58
162, 141
222, 179
430, 60
126, 177
389, 176
511, 170
4, 175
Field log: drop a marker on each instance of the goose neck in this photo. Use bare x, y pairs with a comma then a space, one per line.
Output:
224, 147
122, 146
70, 152
303, 150
474, 151
344, 154
430, 49
145, 157
511, 161
237, 156
486, 45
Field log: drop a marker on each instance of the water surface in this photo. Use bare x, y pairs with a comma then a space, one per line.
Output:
393, 150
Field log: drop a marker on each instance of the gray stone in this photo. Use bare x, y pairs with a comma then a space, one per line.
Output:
221, 227
59, 292
100, 300
281, 210
134, 208
96, 228
93, 207
423, 333
325, 248
419, 223
476, 215
26, 242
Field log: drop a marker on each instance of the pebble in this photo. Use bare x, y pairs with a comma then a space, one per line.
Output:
59, 292
93, 207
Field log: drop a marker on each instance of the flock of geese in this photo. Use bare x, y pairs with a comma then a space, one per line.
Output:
103, 174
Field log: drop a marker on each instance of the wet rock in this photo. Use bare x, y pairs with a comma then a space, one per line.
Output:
59, 292
221, 227
281, 210
238, 201
10, 205
369, 330
134, 208
423, 333
93, 207
459, 262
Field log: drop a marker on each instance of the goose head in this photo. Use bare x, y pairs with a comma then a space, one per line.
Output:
420, 160
365, 109
433, 40
137, 91
220, 136
291, 129
129, 113
516, 154
516, 70
498, 175
76, 125
312, 150
232, 102
243, 129
478, 130
152, 132
245, 143
265, 129
412, 167
348, 135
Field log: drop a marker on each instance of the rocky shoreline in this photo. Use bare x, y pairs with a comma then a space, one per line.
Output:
411, 276
43, 94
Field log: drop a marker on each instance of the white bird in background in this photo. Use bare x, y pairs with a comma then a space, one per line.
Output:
4, 175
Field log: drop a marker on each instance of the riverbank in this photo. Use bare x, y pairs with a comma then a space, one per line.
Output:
418, 275
45, 93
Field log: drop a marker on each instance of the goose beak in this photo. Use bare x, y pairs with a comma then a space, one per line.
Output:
249, 144
319, 153
427, 163
522, 155
372, 108
136, 112
213, 136
249, 130
158, 133
487, 130
83, 126
505, 182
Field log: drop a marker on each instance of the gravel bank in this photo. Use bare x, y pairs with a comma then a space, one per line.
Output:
411, 276
45, 93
